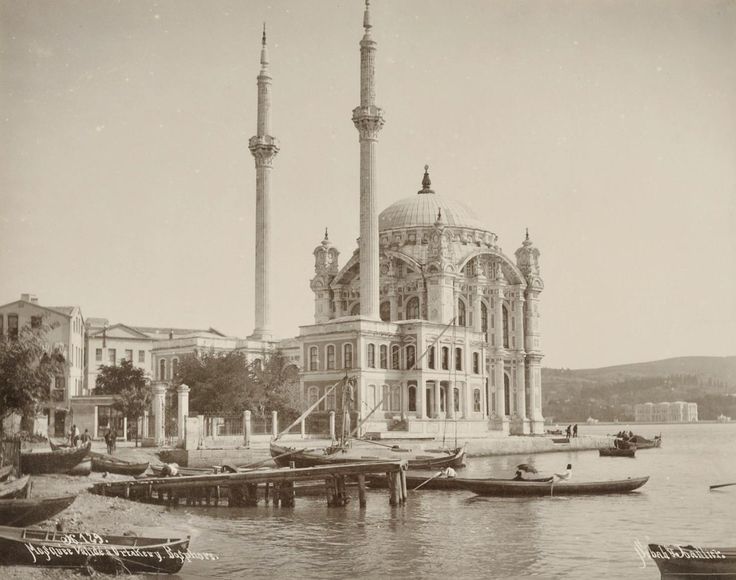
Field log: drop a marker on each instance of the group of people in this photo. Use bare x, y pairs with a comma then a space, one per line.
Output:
75, 438
572, 431
556, 477
624, 440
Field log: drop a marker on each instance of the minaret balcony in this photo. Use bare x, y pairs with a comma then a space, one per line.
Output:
263, 142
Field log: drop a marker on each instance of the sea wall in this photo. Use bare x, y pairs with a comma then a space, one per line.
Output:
524, 445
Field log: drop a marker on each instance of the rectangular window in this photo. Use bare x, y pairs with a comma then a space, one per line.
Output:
476, 363
141, 356
98, 354
313, 358
372, 356
395, 357
12, 325
330, 357
36, 321
129, 355
445, 358
111, 356
458, 359
384, 356
476, 400
430, 357
348, 356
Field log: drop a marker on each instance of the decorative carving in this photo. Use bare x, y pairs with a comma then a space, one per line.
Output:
368, 121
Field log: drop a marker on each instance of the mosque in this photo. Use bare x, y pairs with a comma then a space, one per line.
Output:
437, 325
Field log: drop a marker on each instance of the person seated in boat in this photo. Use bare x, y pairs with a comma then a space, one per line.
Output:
565, 476
519, 475
449, 473
170, 470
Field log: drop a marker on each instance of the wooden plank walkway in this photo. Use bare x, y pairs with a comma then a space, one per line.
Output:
246, 487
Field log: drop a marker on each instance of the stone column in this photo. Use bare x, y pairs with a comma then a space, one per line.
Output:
159, 412
144, 427
274, 423
247, 427
498, 319
182, 393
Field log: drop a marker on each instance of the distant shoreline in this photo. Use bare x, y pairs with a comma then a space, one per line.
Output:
584, 424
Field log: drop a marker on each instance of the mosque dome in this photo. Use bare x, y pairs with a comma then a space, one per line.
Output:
424, 208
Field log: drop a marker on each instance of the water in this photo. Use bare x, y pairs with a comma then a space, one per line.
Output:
457, 534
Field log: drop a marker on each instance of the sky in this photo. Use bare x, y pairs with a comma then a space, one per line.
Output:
608, 128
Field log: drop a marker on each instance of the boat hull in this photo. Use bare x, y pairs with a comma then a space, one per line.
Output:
615, 452
536, 488
284, 456
429, 481
105, 554
5, 471
59, 461
104, 463
28, 512
694, 562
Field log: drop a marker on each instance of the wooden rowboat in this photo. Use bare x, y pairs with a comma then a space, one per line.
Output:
616, 452
430, 481
644, 443
112, 464
16, 488
28, 512
92, 552
693, 562
59, 461
498, 487
426, 459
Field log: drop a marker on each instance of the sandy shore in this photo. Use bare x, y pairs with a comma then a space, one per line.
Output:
103, 515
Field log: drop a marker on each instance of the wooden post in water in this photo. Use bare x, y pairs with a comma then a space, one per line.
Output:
404, 494
265, 492
361, 490
276, 494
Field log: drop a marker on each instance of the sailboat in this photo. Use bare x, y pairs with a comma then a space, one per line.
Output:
345, 452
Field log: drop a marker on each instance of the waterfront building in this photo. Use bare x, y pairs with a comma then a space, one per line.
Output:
666, 412
429, 314
65, 337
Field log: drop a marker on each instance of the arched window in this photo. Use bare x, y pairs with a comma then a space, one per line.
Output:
461, 318
385, 398
330, 357
313, 358
456, 400
412, 398
445, 358
355, 310
412, 308
162, 370
411, 355
459, 359
476, 363
396, 398
430, 357
476, 400
383, 350
312, 395
385, 311
483, 317
174, 367
505, 326
396, 357
506, 395
331, 402
372, 356
347, 356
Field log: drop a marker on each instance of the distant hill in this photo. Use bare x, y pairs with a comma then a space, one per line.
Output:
609, 393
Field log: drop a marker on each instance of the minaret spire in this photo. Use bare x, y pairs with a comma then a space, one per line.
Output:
264, 148
368, 120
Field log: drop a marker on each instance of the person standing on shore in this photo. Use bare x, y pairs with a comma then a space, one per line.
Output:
575, 430
568, 430
75, 435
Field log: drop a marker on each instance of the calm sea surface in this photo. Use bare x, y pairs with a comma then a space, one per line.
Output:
460, 535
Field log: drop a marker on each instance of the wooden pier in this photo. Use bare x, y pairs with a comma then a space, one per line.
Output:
245, 488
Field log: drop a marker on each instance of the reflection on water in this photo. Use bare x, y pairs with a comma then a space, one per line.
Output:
457, 534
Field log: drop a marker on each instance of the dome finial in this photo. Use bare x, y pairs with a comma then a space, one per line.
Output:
367, 16
527, 234
426, 182
327, 237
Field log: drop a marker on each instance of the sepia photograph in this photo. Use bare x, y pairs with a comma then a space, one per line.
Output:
334, 289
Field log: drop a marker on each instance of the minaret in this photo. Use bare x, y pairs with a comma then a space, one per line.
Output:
264, 148
368, 119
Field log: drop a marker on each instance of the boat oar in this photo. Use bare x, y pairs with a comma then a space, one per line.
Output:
721, 485
428, 480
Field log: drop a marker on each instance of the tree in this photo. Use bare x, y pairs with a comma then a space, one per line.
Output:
128, 385
226, 383
28, 368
